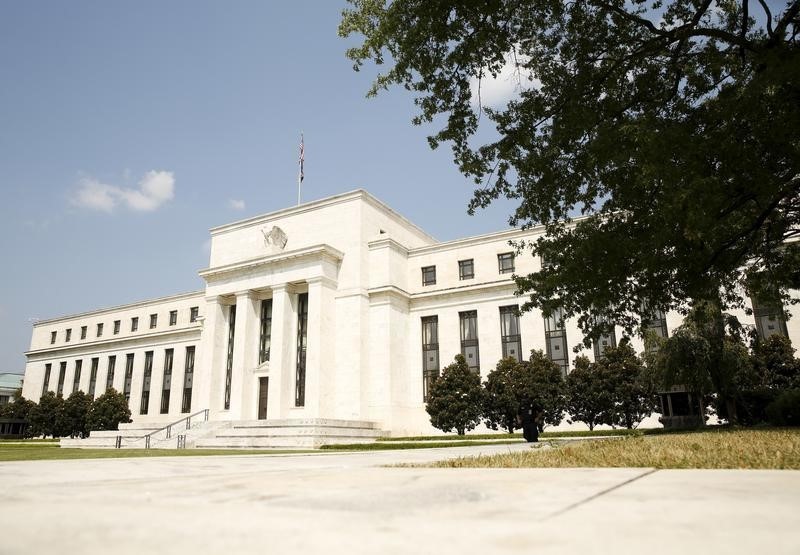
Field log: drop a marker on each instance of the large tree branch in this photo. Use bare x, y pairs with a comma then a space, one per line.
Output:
783, 23
768, 17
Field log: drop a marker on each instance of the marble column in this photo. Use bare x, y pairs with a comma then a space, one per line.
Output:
245, 354
320, 386
282, 352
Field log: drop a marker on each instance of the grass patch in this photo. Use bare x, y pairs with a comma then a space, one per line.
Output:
518, 435
411, 445
44, 452
722, 448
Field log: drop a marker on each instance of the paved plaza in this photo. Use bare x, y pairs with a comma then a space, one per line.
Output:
350, 503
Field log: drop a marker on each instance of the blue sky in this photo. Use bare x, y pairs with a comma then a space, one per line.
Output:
127, 130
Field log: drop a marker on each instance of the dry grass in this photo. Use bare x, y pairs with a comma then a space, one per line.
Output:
775, 449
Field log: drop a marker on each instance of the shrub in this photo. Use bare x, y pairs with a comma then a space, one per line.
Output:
108, 411
785, 410
76, 410
47, 418
455, 401
501, 402
589, 396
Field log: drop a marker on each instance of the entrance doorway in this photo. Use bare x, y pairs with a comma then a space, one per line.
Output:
263, 390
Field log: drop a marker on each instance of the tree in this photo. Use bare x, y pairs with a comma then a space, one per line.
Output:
502, 401
632, 392
76, 409
455, 401
670, 126
108, 411
541, 382
19, 407
688, 359
47, 417
775, 364
589, 397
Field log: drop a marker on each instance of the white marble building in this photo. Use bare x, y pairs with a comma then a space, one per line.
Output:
329, 309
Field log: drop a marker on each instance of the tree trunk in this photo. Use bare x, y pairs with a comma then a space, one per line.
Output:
714, 331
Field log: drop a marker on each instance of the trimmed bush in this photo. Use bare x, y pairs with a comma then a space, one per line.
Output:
785, 410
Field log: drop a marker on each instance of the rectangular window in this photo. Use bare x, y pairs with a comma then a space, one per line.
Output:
188, 378
93, 377
62, 372
302, 339
99, 330
46, 382
144, 405
229, 363
83, 332
505, 263
769, 318
193, 312
608, 339
466, 269
53, 335
167, 382
134, 323
116, 326
112, 362
266, 331
126, 389
469, 339
76, 380
653, 323
173, 317
556, 340
429, 275
509, 332
153, 320
68, 334
430, 354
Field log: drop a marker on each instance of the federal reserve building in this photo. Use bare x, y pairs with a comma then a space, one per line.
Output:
329, 318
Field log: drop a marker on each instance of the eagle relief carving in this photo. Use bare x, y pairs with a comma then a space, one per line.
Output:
276, 239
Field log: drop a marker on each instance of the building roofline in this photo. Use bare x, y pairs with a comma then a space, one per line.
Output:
99, 311
318, 204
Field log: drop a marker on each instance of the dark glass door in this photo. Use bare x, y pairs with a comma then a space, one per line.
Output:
263, 390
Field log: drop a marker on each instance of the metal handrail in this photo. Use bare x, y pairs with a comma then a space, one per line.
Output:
168, 427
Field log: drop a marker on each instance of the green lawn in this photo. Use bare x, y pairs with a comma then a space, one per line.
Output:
719, 448
41, 451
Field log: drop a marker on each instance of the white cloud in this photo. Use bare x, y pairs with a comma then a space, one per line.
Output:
236, 204
155, 188
495, 92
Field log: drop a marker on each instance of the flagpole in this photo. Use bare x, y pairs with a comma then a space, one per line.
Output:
300, 170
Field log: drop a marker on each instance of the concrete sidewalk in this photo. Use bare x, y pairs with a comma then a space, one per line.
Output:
347, 503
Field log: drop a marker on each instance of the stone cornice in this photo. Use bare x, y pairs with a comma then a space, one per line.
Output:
388, 242
312, 252
114, 343
392, 290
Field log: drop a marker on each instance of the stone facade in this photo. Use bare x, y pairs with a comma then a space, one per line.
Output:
243, 348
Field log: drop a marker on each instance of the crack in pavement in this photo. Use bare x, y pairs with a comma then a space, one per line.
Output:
599, 494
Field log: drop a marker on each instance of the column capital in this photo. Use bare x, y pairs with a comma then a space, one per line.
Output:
246, 294
322, 280
282, 288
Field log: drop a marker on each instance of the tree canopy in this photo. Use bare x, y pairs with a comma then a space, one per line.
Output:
664, 131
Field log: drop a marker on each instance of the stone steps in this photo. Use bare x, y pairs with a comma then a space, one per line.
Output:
291, 433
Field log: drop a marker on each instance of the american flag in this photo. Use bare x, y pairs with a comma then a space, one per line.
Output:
302, 157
